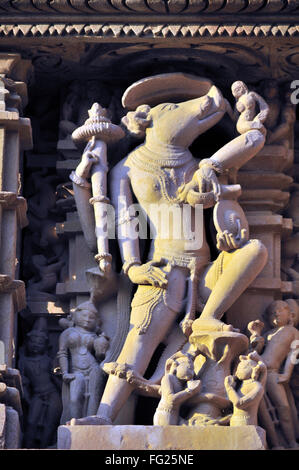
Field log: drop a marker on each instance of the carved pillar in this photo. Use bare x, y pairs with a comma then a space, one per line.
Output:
10, 408
15, 136
264, 193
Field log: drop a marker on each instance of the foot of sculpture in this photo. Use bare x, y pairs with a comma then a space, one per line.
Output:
230, 328
212, 324
293, 445
89, 421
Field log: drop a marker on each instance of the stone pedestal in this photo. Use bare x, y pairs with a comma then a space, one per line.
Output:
161, 438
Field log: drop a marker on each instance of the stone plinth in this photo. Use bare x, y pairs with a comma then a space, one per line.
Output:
161, 438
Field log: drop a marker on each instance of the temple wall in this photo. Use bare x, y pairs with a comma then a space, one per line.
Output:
58, 58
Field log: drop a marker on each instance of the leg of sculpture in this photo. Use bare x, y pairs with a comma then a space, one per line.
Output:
267, 423
136, 352
77, 390
34, 412
278, 397
95, 387
157, 319
239, 269
52, 418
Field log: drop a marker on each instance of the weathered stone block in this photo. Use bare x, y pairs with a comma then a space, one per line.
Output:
161, 438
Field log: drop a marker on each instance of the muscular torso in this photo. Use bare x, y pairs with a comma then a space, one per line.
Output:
81, 346
246, 106
278, 345
38, 371
156, 191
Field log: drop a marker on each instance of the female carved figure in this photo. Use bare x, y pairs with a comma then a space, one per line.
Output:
246, 102
153, 172
277, 349
176, 387
81, 349
251, 374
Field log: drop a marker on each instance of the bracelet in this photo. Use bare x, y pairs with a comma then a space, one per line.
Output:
214, 164
95, 199
79, 180
130, 262
101, 256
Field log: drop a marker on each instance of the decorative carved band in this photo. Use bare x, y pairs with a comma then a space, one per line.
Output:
162, 30
209, 7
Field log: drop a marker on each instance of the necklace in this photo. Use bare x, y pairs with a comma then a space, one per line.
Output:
140, 158
151, 158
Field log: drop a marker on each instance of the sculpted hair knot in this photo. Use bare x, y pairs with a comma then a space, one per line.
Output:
137, 121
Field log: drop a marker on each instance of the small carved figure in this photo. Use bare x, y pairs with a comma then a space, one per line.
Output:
281, 116
11, 412
216, 351
246, 102
44, 251
255, 327
43, 284
245, 390
177, 386
81, 348
79, 98
277, 349
41, 391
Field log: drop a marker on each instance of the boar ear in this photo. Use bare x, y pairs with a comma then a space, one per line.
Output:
138, 121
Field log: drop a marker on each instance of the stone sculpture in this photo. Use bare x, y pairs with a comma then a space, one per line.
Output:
216, 352
246, 396
41, 389
45, 256
81, 350
177, 386
79, 98
153, 172
277, 348
97, 131
281, 116
246, 102
11, 412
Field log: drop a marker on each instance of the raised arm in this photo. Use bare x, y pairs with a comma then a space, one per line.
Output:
125, 218
247, 399
63, 357
264, 108
193, 388
82, 194
242, 402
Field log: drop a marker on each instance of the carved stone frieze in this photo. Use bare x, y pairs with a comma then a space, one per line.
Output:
177, 319
147, 30
91, 7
